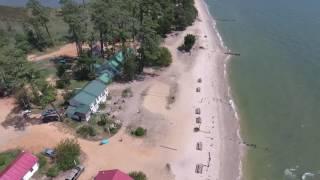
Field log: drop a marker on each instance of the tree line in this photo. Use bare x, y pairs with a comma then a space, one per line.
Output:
109, 24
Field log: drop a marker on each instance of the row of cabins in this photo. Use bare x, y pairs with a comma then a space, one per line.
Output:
88, 99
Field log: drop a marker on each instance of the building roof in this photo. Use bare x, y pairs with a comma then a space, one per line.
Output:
105, 78
90, 92
114, 174
84, 98
95, 88
19, 167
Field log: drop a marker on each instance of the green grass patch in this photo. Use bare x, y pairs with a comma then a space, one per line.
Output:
7, 157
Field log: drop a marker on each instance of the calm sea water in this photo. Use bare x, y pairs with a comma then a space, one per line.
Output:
276, 83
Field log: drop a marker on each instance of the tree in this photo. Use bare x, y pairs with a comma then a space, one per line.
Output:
101, 15
138, 175
76, 18
185, 13
150, 42
129, 68
39, 14
68, 152
84, 69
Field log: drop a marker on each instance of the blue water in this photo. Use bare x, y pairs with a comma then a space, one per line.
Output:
275, 83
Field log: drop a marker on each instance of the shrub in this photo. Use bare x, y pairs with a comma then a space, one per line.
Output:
68, 152
138, 175
140, 132
42, 161
127, 93
102, 106
189, 41
165, 58
102, 121
53, 171
113, 130
60, 84
86, 130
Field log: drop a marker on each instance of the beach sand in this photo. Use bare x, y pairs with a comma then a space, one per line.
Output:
165, 105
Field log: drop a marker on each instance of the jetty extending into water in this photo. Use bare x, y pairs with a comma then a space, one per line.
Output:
232, 53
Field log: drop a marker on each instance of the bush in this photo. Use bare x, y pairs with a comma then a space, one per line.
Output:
86, 130
189, 41
140, 132
53, 171
102, 121
165, 58
102, 106
127, 93
138, 175
68, 152
42, 161
60, 84
113, 130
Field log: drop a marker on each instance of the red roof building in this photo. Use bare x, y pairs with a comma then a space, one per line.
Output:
22, 168
114, 174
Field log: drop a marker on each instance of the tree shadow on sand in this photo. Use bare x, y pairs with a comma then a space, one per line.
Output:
18, 121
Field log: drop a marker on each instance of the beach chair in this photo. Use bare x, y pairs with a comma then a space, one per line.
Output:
198, 120
199, 168
198, 111
199, 146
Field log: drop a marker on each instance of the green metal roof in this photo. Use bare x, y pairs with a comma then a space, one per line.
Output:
119, 57
114, 63
84, 109
105, 78
94, 88
84, 98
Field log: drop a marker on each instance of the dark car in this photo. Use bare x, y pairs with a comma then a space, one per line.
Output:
49, 152
50, 118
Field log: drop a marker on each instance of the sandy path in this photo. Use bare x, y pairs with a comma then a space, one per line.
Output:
66, 50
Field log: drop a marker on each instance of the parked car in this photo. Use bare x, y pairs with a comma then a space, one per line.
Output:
49, 152
75, 173
50, 118
48, 112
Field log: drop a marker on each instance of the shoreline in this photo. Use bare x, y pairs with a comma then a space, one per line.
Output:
225, 142
227, 89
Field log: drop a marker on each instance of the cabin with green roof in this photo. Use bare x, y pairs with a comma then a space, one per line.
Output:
87, 100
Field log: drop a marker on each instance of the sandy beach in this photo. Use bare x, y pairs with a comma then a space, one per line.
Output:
169, 151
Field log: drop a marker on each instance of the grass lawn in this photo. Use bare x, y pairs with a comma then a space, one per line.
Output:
7, 157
